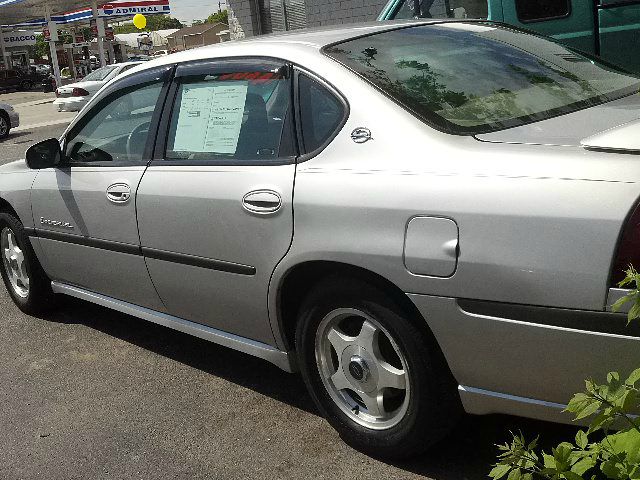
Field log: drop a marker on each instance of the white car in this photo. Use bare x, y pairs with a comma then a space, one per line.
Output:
72, 97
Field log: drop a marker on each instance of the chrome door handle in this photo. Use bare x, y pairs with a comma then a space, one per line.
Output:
119, 193
262, 201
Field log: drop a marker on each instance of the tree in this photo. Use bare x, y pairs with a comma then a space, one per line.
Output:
218, 17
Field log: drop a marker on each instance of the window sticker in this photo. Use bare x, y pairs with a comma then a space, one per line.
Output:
210, 117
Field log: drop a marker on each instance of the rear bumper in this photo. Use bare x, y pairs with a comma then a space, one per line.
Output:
14, 119
523, 360
70, 104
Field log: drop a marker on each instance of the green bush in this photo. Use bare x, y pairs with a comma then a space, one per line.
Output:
596, 453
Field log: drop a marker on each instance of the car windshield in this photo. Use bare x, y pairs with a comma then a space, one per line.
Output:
467, 78
99, 74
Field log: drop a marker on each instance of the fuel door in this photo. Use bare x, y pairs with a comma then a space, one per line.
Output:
431, 246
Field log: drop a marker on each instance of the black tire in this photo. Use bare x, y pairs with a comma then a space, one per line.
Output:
40, 297
5, 125
434, 405
26, 85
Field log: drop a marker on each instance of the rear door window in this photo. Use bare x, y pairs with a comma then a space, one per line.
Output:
321, 113
539, 10
442, 9
240, 112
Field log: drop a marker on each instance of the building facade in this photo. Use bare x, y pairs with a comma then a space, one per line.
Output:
256, 17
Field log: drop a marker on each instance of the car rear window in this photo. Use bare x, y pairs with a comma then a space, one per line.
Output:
467, 78
99, 74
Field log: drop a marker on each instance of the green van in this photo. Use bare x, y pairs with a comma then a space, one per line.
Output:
607, 28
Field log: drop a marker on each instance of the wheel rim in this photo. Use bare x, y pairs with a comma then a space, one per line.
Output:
362, 368
14, 262
4, 126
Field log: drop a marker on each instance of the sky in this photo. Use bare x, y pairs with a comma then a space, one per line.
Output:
189, 10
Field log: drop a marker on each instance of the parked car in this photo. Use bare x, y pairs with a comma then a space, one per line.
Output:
139, 58
599, 27
464, 195
9, 119
32, 75
14, 80
74, 96
43, 69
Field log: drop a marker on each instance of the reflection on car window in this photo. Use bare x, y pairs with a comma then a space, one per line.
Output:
320, 113
529, 11
230, 116
116, 129
442, 9
468, 77
99, 74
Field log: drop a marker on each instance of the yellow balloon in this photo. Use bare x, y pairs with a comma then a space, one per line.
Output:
139, 21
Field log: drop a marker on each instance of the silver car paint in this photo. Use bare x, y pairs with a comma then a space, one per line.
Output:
538, 225
77, 195
14, 117
216, 227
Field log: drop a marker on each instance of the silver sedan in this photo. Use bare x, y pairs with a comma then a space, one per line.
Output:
9, 119
422, 218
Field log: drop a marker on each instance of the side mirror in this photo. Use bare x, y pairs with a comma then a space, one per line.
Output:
45, 154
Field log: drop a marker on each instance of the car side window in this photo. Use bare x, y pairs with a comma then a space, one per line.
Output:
321, 113
235, 114
529, 11
442, 9
116, 129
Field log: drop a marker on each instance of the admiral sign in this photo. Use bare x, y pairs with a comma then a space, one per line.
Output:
145, 7
19, 39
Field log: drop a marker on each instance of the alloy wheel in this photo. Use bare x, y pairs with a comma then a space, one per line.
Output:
15, 264
362, 368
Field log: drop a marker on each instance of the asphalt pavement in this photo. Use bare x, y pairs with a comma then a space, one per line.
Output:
88, 393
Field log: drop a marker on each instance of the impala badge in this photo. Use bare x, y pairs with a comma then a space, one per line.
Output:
56, 223
361, 135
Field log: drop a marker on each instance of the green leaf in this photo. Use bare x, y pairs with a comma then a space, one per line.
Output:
579, 402
583, 465
634, 313
549, 461
627, 443
613, 376
602, 420
611, 469
621, 301
589, 410
561, 455
572, 476
633, 378
515, 474
499, 471
581, 439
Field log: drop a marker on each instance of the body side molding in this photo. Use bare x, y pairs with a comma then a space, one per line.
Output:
269, 353
478, 401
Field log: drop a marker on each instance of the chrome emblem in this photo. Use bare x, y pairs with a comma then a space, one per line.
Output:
56, 223
361, 135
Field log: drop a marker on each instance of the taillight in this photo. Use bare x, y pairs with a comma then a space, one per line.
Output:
628, 249
79, 92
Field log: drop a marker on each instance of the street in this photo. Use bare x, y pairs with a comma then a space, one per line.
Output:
91, 393
39, 120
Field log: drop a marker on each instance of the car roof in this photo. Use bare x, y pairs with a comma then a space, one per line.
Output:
288, 42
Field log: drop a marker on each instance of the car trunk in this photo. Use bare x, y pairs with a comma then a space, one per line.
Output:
571, 129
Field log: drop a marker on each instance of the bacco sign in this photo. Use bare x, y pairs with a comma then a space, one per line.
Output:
145, 7
19, 39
